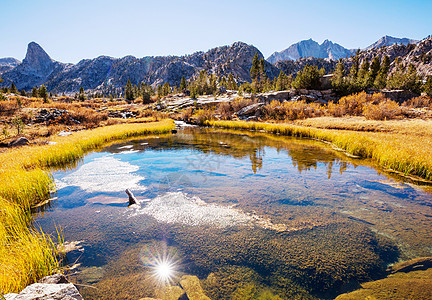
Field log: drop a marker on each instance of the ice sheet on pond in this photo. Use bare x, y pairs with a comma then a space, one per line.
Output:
104, 174
177, 207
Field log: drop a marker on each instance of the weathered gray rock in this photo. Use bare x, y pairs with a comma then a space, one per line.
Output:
22, 141
50, 288
249, 110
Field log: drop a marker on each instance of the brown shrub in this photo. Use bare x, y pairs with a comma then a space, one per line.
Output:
186, 114
353, 105
89, 117
8, 107
225, 110
203, 115
385, 110
419, 102
291, 110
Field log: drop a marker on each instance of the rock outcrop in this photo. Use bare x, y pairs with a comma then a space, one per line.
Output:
49, 288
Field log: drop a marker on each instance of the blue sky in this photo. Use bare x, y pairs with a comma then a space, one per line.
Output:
72, 30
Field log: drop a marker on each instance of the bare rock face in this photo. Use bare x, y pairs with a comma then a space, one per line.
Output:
54, 287
310, 48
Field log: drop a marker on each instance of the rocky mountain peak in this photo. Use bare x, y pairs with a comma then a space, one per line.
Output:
36, 56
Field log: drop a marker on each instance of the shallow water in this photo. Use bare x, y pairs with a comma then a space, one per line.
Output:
289, 217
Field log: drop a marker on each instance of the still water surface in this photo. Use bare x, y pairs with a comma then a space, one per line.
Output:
245, 212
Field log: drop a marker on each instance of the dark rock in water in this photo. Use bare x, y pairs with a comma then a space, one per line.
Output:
132, 199
174, 131
53, 287
19, 142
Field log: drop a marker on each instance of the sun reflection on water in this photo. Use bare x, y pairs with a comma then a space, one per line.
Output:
162, 261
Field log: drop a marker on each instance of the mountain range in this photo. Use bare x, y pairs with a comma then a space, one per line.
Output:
328, 49
107, 74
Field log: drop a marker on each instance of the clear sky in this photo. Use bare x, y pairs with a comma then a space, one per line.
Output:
72, 30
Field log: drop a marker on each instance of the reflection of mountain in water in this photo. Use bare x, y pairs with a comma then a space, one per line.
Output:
305, 154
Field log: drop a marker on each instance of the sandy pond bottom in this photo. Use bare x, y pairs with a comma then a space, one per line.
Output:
252, 215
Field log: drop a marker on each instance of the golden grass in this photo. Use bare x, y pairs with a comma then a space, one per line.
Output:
400, 152
25, 254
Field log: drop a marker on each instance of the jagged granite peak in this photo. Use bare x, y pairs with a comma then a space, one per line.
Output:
389, 40
36, 69
310, 48
36, 56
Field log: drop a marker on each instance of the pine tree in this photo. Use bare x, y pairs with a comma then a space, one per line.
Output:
381, 79
35, 93
43, 93
13, 89
308, 78
427, 87
279, 86
363, 74
81, 95
232, 84
339, 83
255, 66
159, 91
165, 89
129, 92
182, 84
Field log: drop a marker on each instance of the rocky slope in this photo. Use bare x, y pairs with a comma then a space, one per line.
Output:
8, 63
104, 73
310, 48
419, 54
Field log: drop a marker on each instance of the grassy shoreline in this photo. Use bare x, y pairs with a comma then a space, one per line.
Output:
25, 254
409, 155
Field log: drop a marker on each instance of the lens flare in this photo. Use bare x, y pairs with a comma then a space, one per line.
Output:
164, 271
162, 261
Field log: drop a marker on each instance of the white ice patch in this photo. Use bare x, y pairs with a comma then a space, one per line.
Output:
104, 174
177, 207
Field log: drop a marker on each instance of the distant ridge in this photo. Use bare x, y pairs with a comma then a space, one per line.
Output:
329, 50
310, 48
389, 40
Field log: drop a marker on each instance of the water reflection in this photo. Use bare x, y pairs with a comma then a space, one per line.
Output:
301, 219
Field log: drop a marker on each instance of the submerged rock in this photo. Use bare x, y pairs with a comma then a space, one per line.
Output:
50, 287
192, 286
